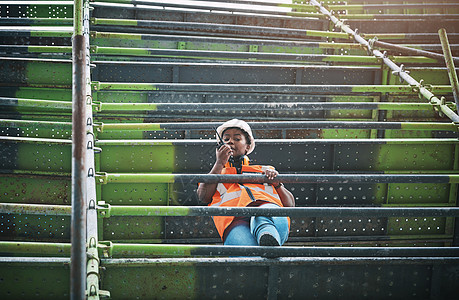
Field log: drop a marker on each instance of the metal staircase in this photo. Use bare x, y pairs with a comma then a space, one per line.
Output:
351, 101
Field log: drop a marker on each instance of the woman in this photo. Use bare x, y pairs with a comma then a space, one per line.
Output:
231, 159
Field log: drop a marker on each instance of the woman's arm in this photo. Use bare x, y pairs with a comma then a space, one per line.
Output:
207, 190
286, 197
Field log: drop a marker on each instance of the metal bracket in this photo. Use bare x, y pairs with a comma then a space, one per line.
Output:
106, 247
95, 85
97, 150
92, 204
371, 44
102, 178
97, 106
103, 209
99, 127
399, 72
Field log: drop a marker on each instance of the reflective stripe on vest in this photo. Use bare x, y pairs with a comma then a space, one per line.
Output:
235, 195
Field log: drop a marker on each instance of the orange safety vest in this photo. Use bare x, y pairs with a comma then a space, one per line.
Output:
236, 195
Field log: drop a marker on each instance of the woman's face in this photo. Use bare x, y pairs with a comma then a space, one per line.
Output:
235, 138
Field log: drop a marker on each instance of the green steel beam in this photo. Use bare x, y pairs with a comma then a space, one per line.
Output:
220, 43
223, 27
34, 249
229, 55
147, 251
196, 108
242, 9
35, 209
37, 22
339, 89
207, 107
61, 129
101, 127
63, 126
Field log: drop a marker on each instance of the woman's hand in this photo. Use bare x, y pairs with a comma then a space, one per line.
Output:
271, 173
223, 154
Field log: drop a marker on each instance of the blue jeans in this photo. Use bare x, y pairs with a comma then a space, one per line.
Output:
246, 231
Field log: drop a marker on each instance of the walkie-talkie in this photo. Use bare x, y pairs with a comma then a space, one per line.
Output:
221, 143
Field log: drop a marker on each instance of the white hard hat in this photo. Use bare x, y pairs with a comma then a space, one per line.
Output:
238, 124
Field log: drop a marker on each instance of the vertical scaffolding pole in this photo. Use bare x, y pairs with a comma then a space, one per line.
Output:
78, 223
450, 65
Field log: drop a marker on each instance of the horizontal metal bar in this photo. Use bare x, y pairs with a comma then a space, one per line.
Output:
33, 173
263, 125
304, 10
35, 261
364, 212
406, 36
107, 210
9, 139
231, 261
265, 88
399, 17
118, 250
36, 104
101, 127
232, 9
280, 261
381, 6
179, 53
36, 21
34, 249
35, 209
221, 40
410, 141
206, 108
146, 250
35, 49
37, 32
285, 178
347, 6
157, 142
253, 107
36, 124
212, 29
